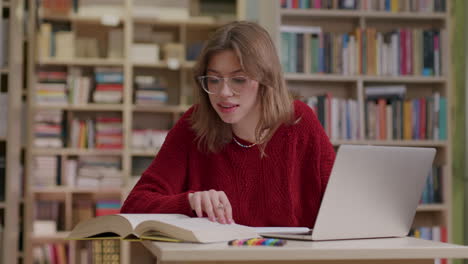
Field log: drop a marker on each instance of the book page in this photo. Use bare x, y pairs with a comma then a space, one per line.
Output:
135, 219
197, 223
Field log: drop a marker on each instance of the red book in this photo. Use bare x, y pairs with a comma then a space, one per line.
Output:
443, 238
318, 4
295, 3
109, 87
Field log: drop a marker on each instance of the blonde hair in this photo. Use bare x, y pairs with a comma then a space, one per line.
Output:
258, 58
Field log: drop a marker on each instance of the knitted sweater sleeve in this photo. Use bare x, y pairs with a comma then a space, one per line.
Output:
162, 187
319, 147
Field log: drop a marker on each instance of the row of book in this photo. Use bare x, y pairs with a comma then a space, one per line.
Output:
57, 40
365, 51
150, 139
377, 5
435, 233
3, 114
423, 118
100, 133
51, 253
94, 172
84, 172
339, 117
432, 193
105, 251
61, 88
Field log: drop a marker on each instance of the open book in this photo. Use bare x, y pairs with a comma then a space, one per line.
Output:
165, 227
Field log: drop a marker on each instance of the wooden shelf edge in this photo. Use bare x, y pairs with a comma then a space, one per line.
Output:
160, 108
431, 207
81, 62
78, 152
144, 153
66, 189
83, 107
57, 237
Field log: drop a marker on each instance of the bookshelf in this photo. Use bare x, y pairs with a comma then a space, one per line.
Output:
346, 83
11, 75
72, 67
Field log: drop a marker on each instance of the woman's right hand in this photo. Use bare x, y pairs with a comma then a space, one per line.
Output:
214, 203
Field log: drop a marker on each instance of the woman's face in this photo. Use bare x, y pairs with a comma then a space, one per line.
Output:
238, 106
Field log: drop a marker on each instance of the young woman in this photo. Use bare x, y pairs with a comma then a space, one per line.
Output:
246, 152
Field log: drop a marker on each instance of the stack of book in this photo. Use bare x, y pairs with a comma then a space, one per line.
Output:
46, 172
107, 207
109, 85
109, 133
149, 139
150, 90
339, 117
99, 172
51, 88
48, 129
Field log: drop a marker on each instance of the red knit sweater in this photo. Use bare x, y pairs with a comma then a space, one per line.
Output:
284, 188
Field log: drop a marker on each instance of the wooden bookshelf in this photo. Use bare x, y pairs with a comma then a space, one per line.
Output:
352, 86
134, 116
12, 222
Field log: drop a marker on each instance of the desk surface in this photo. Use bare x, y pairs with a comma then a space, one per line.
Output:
383, 248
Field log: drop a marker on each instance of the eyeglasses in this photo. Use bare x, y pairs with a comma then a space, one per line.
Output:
214, 84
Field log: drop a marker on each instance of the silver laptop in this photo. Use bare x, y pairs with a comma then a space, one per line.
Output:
372, 192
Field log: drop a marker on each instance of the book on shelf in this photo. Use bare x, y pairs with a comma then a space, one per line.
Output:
3, 114
151, 90
338, 116
48, 129
2, 174
4, 40
165, 227
50, 253
399, 52
99, 172
369, 5
389, 115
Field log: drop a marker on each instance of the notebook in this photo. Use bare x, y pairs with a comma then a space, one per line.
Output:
373, 192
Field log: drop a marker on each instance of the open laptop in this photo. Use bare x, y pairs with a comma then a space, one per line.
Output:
373, 192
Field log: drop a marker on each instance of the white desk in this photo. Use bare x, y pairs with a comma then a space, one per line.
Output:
385, 250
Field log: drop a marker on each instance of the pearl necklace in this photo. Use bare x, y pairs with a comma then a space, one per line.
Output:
242, 145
